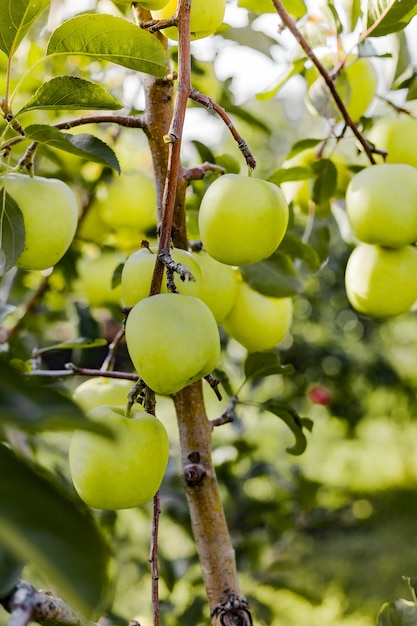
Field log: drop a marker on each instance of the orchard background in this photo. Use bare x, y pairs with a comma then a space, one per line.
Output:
315, 449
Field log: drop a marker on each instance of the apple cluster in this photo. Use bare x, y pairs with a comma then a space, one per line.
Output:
381, 205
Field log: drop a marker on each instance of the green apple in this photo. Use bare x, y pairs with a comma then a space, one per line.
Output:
50, 215
173, 340
205, 18
100, 390
146, 4
356, 84
381, 282
256, 321
398, 136
128, 202
95, 271
121, 472
219, 284
242, 219
299, 192
381, 204
138, 271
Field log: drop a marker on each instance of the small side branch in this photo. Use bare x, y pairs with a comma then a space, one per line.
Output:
26, 604
210, 104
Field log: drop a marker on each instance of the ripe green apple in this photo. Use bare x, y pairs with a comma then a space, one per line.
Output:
124, 471
146, 4
95, 271
256, 321
173, 340
219, 284
381, 282
299, 192
356, 84
128, 202
205, 18
138, 270
398, 136
100, 390
381, 204
242, 219
50, 215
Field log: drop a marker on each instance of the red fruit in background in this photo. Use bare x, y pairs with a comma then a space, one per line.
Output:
319, 395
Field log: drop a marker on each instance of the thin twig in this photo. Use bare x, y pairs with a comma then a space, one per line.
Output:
28, 307
153, 558
72, 370
108, 362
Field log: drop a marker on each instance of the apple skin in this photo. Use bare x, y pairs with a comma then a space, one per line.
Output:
173, 341
398, 136
100, 390
146, 4
356, 84
242, 219
50, 215
138, 270
219, 284
381, 282
121, 472
381, 204
205, 18
95, 273
256, 321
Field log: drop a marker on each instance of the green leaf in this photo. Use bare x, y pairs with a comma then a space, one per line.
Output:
41, 525
293, 70
397, 18
80, 342
110, 38
294, 422
12, 232
70, 92
286, 174
16, 18
398, 613
6, 310
261, 364
303, 144
275, 277
84, 145
324, 186
10, 571
31, 406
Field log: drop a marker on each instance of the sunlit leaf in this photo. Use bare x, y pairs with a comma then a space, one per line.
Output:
41, 525
110, 38
303, 144
261, 364
12, 232
16, 18
275, 276
83, 145
396, 18
71, 92
295, 423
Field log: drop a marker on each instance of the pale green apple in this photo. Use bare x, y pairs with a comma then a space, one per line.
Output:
122, 472
50, 215
242, 219
100, 390
95, 271
138, 271
173, 341
219, 284
256, 321
146, 4
205, 18
381, 282
356, 84
398, 136
381, 204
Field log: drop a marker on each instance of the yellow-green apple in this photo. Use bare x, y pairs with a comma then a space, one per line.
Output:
100, 390
398, 136
381, 282
173, 340
123, 471
242, 219
219, 284
50, 215
205, 17
381, 204
356, 84
95, 271
256, 321
146, 4
138, 270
